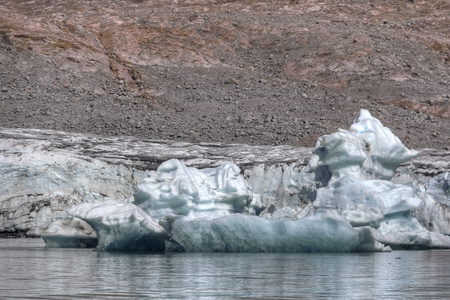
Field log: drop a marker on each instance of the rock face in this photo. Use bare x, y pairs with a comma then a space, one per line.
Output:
249, 72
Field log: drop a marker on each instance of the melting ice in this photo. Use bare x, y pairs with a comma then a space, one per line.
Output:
355, 207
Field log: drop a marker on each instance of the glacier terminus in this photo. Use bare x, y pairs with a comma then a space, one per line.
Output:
356, 191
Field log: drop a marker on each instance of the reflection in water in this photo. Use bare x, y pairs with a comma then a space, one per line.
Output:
29, 270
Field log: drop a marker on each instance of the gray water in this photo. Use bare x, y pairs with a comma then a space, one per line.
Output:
30, 271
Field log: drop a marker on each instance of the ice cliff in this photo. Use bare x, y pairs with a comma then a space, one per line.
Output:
362, 190
43, 172
38, 184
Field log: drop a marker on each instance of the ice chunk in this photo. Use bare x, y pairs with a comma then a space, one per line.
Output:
361, 202
368, 151
401, 231
368, 243
353, 168
386, 151
213, 192
121, 226
74, 233
325, 231
338, 154
439, 241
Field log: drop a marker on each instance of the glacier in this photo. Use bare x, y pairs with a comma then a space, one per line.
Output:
359, 189
436, 204
43, 172
352, 170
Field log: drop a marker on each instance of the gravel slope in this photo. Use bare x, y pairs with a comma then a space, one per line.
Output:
254, 72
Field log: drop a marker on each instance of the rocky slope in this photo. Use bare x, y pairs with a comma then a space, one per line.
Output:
255, 72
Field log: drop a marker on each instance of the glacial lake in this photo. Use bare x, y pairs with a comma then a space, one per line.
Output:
30, 271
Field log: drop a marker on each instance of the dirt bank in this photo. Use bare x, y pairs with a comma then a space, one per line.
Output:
255, 72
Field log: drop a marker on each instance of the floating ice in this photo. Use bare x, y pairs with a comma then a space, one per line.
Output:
325, 231
403, 231
121, 226
386, 151
353, 168
368, 151
212, 192
367, 241
362, 202
74, 233
352, 207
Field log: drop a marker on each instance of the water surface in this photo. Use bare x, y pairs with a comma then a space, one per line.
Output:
30, 271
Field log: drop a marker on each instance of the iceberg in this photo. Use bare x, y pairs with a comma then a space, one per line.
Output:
325, 231
210, 192
402, 232
354, 168
69, 233
368, 151
121, 226
348, 201
362, 202
386, 151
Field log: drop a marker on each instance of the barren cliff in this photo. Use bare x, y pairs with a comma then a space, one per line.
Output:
251, 71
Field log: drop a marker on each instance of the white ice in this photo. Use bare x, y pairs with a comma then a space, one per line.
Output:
403, 231
364, 201
385, 150
212, 192
69, 233
368, 151
435, 211
352, 207
121, 226
325, 231
439, 189
354, 168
